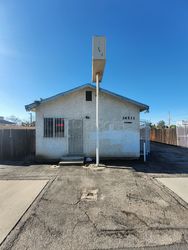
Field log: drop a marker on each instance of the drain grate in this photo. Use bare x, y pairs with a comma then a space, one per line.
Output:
89, 195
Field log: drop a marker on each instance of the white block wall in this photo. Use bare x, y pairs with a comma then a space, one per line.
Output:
117, 139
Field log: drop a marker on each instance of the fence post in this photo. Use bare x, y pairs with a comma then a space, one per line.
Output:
144, 151
11, 144
1, 154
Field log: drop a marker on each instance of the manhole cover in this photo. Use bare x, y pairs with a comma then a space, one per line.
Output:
90, 195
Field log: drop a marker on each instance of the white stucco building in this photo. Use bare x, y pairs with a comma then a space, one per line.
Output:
65, 124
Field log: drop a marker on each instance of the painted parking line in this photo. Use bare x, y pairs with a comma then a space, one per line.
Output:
15, 198
178, 185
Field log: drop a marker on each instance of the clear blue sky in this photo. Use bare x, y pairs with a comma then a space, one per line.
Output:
45, 48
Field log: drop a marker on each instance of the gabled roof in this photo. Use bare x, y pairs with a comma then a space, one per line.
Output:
34, 105
4, 122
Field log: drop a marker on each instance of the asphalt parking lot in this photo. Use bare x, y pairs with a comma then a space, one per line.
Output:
120, 207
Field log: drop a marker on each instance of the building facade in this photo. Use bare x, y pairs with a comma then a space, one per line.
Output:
65, 124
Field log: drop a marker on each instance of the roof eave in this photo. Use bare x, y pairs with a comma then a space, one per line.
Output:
144, 108
67, 92
32, 106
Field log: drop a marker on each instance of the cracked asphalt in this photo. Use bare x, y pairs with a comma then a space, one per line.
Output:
132, 209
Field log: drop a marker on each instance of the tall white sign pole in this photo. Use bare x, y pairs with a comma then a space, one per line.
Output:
97, 119
98, 64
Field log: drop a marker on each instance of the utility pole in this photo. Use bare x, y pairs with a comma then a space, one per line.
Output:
98, 65
97, 119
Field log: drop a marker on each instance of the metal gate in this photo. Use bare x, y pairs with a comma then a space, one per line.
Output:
75, 137
144, 137
182, 134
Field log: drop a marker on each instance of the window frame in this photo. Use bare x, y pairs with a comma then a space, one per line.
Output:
60, 131
88, 96
51, 131
48, 127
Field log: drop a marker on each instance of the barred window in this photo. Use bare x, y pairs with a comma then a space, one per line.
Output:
48, 127
59, 127
53, 127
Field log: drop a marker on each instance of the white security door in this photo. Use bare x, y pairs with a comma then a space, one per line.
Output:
75, 140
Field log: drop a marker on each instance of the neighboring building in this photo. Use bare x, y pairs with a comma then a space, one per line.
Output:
65, 124
182, 133
182, 123
3, 122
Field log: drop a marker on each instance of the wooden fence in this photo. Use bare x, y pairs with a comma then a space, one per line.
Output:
165, 135
16, 144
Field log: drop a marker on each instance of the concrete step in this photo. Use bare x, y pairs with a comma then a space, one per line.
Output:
70, 163
71, 160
